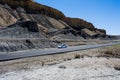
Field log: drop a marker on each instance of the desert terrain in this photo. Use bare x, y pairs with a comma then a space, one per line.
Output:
93, 64
26, 25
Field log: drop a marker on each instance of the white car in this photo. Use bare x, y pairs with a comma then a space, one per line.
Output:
62, 46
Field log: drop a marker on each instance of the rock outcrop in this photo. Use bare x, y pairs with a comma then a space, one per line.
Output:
5, 17
46, 24
21, 29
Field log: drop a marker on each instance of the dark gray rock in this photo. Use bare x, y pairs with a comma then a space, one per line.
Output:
62, 67
30, 25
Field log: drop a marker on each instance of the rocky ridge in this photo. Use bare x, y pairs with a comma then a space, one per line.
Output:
49, 25
21, 30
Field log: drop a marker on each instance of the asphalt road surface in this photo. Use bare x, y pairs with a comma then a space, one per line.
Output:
33, 53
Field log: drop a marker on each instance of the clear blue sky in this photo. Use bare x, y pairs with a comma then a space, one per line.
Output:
104, 14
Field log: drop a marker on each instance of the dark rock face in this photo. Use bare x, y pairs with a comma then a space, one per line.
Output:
31, 25
29, 44
22, 29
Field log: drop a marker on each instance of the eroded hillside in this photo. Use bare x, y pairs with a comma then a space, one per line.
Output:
46, 17
25, 20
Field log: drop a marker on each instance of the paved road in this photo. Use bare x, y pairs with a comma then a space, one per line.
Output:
33, 53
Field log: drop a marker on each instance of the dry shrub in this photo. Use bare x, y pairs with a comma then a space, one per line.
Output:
77, 56
117, 68
108, 52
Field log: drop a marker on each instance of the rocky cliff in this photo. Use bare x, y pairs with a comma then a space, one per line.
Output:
29, 26
50, 21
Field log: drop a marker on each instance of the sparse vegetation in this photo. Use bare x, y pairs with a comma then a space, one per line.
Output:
42, 63
111, 51
58, 58
78, 24
33, 7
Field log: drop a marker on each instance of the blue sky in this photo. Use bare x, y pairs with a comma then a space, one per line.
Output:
104, 14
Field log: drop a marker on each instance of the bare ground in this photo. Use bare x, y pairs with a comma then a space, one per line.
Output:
90, 64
